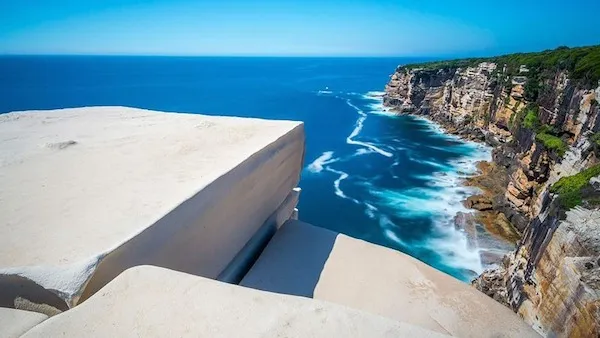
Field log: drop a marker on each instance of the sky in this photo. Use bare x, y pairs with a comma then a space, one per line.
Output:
417, 28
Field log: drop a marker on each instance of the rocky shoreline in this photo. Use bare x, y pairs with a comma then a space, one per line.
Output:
492, 179
540, 190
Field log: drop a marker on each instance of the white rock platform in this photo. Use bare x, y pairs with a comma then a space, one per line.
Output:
14, 323
309, 261
90, 192
155, 302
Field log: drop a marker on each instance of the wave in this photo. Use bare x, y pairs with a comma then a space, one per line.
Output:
439, 200
433, 203
374, 95
453, 246
377, 107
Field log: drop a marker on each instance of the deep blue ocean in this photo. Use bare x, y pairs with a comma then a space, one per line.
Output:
391, 180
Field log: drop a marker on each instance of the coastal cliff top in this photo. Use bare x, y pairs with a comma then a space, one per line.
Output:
582, 62
78, 182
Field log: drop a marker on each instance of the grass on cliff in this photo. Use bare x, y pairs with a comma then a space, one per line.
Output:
545, 134
552, 143
583, 63
569, 189
531, 120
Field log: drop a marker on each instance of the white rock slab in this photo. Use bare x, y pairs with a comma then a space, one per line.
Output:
93, 191
305, 260
13, 323
155, 302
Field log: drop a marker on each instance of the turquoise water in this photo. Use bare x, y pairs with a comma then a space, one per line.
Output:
390, 180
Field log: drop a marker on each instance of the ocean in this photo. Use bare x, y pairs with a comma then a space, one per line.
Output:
390, 180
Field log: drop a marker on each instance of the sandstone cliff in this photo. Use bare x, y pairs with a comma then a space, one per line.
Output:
540, 112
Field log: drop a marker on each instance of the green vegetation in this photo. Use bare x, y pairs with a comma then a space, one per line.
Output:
531, 120
583, 63
595, 139
552, 142
545, 134
569, 189
531, 89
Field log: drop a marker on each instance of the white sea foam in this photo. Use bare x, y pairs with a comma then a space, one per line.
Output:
454, 248
374, 95
357, 129
391, 235
337, 182
377, 107
431, 163
318, 165
440, 200
370, 210
387, 227
363, 151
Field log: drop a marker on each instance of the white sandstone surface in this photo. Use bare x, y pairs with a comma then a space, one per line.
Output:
93, 191
13, 323
305, 260
183, 305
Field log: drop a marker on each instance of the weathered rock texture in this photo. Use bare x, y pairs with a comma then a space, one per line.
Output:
543, 123
379, 280
90, 192
150, 301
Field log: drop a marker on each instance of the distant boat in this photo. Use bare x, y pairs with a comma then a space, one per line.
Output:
326, 91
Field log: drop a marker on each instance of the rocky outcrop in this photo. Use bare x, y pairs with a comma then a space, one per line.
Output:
542, 119
123, 187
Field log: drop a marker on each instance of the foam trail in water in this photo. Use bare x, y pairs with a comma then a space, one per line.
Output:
363, 151
438, 199
388, 226
336, 185
370, 210
358, 127
318, 165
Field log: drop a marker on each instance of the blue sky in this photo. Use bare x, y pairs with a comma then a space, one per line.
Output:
295, 28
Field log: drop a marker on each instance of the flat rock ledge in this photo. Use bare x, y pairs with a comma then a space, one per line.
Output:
184, 305
90, 192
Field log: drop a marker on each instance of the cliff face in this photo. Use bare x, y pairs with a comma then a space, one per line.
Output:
542, 118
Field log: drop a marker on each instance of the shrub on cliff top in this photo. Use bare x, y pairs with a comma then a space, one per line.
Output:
552, 143
583, 63
569, 189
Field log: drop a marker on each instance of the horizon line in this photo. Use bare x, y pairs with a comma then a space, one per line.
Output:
455, 55
222, 56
